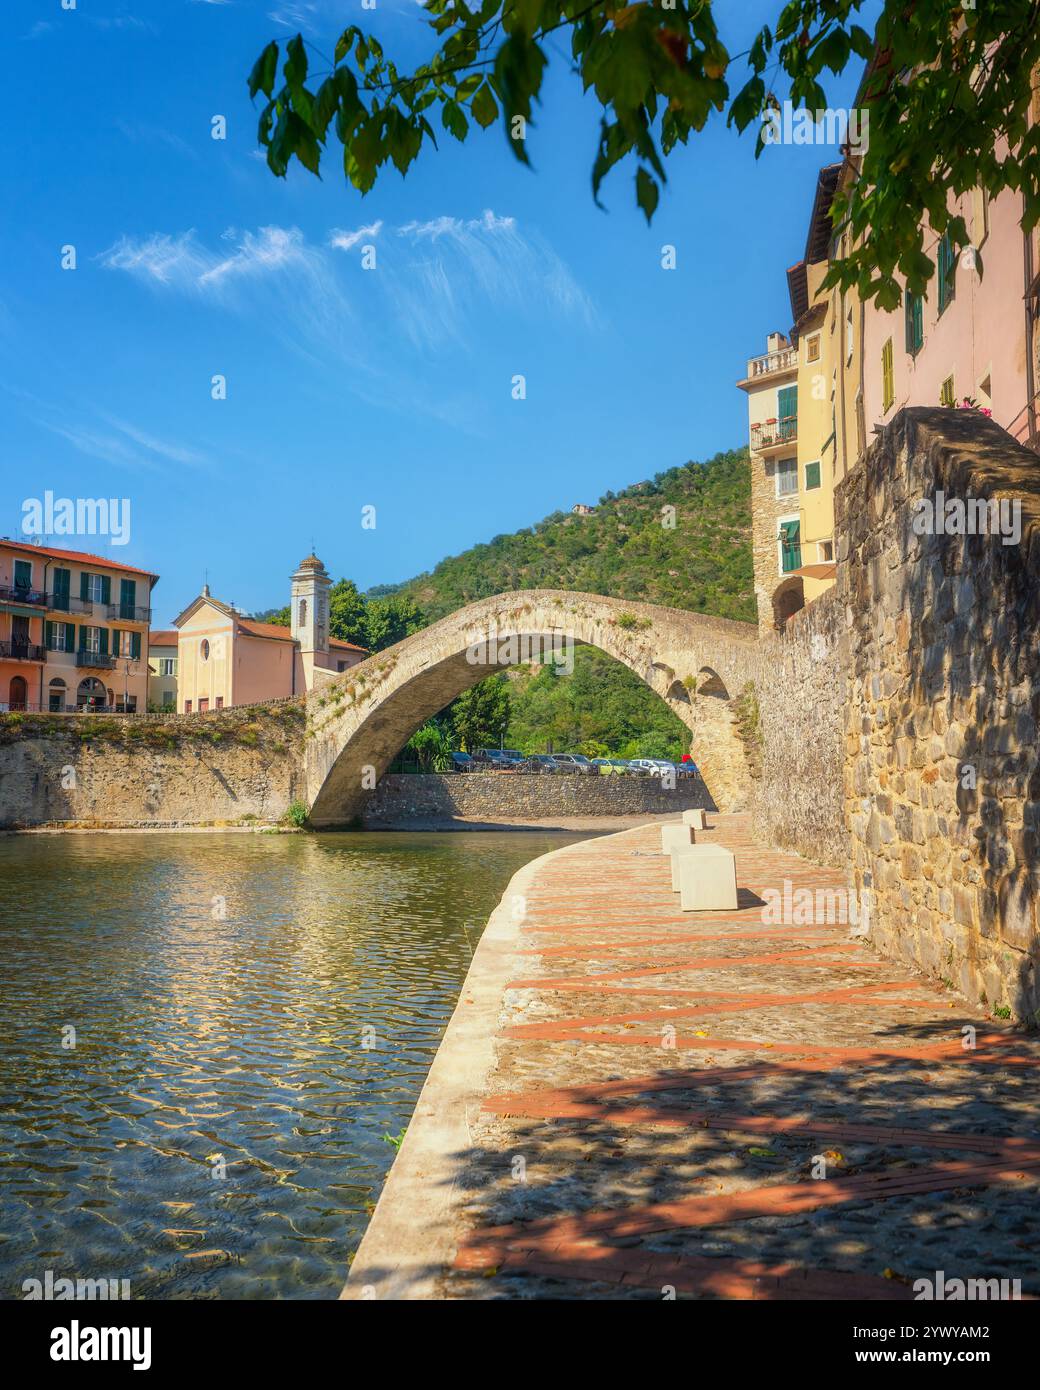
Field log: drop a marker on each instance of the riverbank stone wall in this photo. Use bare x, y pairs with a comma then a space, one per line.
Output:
401, 797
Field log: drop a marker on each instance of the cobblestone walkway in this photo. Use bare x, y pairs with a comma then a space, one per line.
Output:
669, 1087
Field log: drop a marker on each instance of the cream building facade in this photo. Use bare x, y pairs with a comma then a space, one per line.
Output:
225, 658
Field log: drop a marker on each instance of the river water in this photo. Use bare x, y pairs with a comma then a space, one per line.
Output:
204, 1039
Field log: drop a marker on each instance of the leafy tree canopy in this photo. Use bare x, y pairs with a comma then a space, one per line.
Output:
943, 82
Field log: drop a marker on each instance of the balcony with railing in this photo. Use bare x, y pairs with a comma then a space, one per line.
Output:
35, 597
774, 434
127, 613
21, 651
771, 363
98, 661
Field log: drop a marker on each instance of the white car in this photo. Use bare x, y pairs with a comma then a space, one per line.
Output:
655, 767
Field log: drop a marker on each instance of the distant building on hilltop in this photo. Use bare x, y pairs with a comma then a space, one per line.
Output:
582, 509
224, 658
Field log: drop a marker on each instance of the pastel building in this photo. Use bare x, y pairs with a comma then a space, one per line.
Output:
73, 630
819, 395
162, 670
225, 658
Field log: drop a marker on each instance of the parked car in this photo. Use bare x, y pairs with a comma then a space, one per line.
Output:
655, 767
611, 767
462, 762
542, 762
574, 762
500, 759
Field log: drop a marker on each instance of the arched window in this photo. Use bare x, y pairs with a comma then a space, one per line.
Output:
303, 612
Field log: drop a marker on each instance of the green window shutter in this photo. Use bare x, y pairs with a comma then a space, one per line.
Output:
946, 267
128, 594
914, 322
103, 644
70, 636
115, 641
787, 410
23, 574
106, 589
84, 586
135, 645
61, 588
812, 475
82, 643
48, 635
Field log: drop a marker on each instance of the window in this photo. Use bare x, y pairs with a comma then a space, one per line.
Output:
825, 550
204, 705
914, 314
204, 654
787, 478
812, 475
812, 348
946, 264
946, 396
220, 702
59, 637
95, 588
23, 574
167, 666
60, 597
91, 639
790, 545
169, 700
187, 706
888, 381
302, 622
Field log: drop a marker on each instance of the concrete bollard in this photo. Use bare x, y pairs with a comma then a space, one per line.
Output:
680, 853
674, 837
694, 818
708, 880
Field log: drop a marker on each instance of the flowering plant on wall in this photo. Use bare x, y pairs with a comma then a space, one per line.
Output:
968, 403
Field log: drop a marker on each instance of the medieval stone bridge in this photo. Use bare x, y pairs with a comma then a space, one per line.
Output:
359, 720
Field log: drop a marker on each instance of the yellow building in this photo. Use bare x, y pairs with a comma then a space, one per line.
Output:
162, 671
794, 398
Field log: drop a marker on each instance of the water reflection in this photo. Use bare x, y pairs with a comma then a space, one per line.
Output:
221, 988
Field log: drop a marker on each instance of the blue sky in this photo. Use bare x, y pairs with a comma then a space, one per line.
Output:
350, 388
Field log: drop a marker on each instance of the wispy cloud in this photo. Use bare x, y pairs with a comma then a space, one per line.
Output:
346, 241
460, 262
123, 446
435, 282
140, 133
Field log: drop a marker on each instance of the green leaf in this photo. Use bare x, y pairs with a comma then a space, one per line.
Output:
454, 121
265, 70
483, 107
647, 193
295, 70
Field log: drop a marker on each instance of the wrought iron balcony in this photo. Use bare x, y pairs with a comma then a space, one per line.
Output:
21, 651
99, 661
773, 433
19, 595
127, 613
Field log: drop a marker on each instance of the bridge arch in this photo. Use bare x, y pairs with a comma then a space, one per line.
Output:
357, 721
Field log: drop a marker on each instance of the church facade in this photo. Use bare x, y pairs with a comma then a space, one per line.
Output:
225, 658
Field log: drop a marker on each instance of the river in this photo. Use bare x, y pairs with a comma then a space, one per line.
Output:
206, 1037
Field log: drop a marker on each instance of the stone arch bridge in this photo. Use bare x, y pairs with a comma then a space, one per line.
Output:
359, 720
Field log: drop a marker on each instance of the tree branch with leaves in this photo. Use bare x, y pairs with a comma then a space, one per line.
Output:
947, 92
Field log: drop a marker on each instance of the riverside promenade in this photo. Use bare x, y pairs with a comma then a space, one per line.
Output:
636, 1102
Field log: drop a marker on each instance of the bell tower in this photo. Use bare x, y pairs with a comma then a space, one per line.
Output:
309, 614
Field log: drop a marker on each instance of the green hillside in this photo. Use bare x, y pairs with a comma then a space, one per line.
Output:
627, 548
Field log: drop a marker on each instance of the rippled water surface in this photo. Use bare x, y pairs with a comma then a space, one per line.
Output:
221, 988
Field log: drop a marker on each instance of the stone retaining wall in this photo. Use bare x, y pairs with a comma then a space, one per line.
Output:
798, 801
401, 797
85, 770
942, 765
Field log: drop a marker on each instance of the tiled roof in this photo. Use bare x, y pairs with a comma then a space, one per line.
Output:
163, 639
347, 646
270, 630
78, 557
